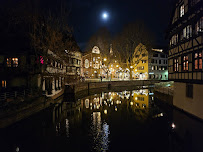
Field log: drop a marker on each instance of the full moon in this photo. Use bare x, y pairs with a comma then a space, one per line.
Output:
105, 15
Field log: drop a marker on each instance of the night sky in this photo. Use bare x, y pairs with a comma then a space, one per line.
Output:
86, 17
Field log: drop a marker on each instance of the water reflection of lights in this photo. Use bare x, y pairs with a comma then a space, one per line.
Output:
141, 92
67, 128
151, 93
159, 115
58, 128
173, 126
100, 132
118, 102
116, 108
131, 103
105, 111
87, 103
17, 149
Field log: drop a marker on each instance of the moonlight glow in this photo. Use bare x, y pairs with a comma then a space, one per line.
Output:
105, 15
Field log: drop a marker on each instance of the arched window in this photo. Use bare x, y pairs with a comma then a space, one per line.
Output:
86, 63
95, 50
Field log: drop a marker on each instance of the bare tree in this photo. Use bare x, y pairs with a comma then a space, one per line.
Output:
125, 44
102, 39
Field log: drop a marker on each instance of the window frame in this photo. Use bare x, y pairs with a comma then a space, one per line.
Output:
198, 58
182, 10
175, 65
185, 63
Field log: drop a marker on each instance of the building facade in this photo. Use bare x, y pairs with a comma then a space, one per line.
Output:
151, 65
73, 65
185, 55
158, 65
44, 73
92, 64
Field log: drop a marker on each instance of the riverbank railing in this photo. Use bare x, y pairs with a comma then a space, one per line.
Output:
15, 94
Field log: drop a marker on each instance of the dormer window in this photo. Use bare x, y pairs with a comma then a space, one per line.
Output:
182, 10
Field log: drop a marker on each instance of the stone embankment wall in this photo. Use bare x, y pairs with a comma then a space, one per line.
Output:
74, 88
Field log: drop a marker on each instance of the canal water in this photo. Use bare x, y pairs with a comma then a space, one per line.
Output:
128, 120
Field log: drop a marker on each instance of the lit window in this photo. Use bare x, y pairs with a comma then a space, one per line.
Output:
86, 63
156, 67
199, 26
187, 32
198, 61
15, 62
140, 68
174, 40
144, 61
3, 83
175, 65
8, 62
182, 10
185, 63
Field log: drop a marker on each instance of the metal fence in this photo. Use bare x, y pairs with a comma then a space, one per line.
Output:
15, 94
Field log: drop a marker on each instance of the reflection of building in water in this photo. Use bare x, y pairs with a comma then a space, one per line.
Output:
99, 102
141, 98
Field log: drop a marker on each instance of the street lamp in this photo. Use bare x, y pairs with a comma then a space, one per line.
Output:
105, 59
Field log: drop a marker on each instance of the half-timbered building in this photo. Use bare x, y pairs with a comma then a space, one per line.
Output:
185, 33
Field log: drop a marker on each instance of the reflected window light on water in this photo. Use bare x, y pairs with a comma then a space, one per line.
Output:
106, 133
105, 111
17, 149
116, 108
173, 126
58, 127
67, 128
99, 132
87, 103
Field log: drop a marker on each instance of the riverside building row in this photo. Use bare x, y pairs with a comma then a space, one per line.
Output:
152, 65
21, 70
